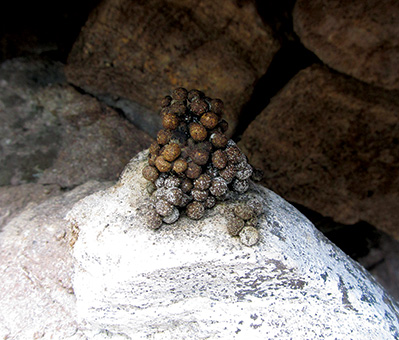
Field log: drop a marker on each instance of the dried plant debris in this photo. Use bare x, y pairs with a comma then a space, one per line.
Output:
193, 165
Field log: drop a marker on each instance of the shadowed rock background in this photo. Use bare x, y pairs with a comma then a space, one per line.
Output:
311, 90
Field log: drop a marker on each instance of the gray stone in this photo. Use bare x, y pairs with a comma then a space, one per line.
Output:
36, 295
193, 280
14, 199
52, 134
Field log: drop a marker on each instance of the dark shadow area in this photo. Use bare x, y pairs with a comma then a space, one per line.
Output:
45, 28
287, 62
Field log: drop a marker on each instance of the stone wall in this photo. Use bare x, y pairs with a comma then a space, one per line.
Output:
310, 89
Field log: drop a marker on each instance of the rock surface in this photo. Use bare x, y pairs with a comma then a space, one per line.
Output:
193, 280
330, 143
138, 51
14, 199
37, 300
52, 134
359, 38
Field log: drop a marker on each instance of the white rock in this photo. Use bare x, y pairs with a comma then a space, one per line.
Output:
36, 295
192, 280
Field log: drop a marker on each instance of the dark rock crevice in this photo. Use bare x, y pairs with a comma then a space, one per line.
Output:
288, 61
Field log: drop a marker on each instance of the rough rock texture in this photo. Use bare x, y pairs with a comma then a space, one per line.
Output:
359, 38
193, 280
330, 143
37, 300
52, 134
139, 50
14, 199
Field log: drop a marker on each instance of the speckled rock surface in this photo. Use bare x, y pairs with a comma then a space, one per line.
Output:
52, 134
330, 143
133, 52
359, 38
193, 280
36, 295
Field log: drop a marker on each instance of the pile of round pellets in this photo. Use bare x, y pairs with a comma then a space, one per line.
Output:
193, 165
243, 220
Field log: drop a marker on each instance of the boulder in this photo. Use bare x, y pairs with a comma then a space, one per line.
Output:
358, 38
192, 279
37, 299
14, 198
330, 143
52, 134
132, 53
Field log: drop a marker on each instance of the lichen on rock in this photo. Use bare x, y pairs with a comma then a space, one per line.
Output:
193, 155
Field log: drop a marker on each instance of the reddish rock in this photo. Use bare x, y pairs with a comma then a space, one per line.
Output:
330, 143
141, 50
359, 38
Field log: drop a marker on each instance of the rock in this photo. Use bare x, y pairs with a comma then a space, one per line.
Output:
383, 261
193, 280
13, 199
36, 294
330, 143
52, 134
28, 29
138, 52
359, 38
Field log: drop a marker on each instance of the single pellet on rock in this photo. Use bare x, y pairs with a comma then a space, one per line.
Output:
243, 211
219, 159
170, 121
186, 185
163, 208
240, 186
171, 152
172, 182
234, 226
218, 187
249, 236
198, 132
193, 170
203, 182
219, 140
174, 196
195, 210
209, 120
162, 165
256, 205
173, 217
151, 217
150, 173
199, 156
228, 173
163, 137
210, 202
199, 195
180, 93
179, 166
244, 172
